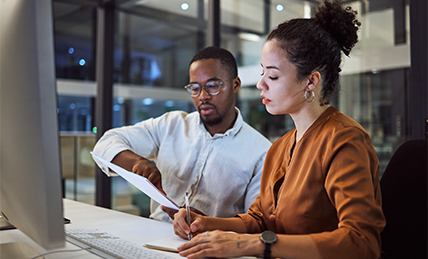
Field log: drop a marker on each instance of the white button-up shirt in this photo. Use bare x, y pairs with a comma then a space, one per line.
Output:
221, 172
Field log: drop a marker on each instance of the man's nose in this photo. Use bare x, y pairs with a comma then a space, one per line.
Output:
204, 94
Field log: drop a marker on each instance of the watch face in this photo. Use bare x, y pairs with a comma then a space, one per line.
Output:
268, 237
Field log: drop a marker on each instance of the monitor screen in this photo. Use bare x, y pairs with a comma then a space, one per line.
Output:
30, 176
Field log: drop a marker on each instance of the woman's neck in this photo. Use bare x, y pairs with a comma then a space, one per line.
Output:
306, 118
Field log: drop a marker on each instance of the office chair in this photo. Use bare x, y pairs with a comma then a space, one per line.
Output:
404, 202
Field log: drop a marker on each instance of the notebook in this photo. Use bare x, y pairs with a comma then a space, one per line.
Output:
169, 244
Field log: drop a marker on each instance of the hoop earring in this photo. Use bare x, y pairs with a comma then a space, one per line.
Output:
306, 96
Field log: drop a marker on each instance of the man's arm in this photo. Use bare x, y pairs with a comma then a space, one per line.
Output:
132, 147
253, 188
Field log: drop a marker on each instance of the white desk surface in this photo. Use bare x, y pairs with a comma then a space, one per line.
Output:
136, 229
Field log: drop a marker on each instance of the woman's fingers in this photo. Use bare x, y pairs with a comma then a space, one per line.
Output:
181, 228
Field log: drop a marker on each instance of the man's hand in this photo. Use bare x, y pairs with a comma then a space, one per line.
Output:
169, 211
148, 169
139, 165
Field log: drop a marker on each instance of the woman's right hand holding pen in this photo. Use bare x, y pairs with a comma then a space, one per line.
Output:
182, 229
215, 243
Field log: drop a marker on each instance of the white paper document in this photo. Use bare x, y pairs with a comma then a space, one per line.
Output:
142, 183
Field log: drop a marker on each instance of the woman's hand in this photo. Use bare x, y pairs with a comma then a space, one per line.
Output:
182, 229
221, 244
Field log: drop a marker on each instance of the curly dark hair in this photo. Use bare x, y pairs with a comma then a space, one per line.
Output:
315, 44
226, 58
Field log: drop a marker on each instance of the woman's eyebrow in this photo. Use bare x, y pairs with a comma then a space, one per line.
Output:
269, 67
272, 67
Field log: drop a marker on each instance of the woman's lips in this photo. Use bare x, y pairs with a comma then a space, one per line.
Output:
265, 100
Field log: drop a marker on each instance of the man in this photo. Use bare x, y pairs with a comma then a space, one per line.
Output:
212, 153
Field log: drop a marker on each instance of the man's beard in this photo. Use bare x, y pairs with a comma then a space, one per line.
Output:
212, 122
215, 121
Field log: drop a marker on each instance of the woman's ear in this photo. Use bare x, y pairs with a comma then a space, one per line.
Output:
314, 80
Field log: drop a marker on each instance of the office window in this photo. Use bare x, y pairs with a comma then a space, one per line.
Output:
75, 61
155, 42
375, 78
74, 36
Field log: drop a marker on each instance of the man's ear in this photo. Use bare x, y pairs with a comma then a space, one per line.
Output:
314, 80
236, 84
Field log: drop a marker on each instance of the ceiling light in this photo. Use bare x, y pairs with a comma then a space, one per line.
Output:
307, 10
147, 101
249, 36
184, 6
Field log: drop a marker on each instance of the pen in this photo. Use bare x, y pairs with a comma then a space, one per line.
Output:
188, 213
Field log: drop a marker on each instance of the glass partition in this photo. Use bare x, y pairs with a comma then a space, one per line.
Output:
74, 33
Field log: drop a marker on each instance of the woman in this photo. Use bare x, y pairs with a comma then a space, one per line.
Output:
320, 193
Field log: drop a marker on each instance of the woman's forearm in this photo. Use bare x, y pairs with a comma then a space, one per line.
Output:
226, 224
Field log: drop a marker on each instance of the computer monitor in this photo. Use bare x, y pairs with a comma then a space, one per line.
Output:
30, 176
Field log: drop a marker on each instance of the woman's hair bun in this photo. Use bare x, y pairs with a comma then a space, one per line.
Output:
340, 22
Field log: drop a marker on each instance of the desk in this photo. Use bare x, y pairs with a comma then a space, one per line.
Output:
129, 227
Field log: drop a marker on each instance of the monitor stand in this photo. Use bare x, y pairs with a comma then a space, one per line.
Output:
17, 250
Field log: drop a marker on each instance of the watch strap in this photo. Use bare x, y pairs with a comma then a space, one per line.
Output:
267, 252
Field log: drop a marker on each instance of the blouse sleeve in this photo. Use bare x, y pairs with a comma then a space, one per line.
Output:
253, 220
352, 185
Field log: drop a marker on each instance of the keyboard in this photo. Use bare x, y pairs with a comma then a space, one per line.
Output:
108, 246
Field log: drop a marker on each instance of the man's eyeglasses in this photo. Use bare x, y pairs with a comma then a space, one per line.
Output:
212, 88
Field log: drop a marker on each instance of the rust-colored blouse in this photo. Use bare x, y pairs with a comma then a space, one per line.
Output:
328, 188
